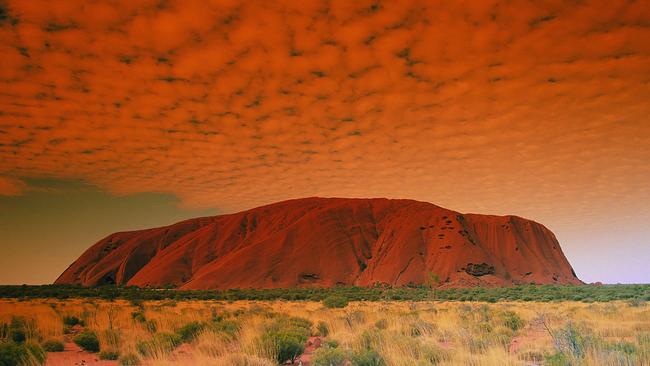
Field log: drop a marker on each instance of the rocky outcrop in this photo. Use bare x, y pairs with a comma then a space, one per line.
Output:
328, 242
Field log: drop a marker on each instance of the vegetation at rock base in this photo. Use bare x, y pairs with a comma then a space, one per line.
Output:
635, 294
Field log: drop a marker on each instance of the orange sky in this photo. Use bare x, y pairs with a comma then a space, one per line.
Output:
535, 108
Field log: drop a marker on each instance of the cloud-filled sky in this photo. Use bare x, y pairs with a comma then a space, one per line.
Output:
534, 108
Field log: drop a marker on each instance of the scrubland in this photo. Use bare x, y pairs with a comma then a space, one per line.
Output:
261, 333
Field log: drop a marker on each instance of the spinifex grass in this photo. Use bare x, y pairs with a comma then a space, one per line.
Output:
398, 333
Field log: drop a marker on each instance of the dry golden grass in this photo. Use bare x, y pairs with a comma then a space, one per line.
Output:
403, 333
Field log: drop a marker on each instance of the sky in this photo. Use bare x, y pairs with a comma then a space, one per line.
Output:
119, 115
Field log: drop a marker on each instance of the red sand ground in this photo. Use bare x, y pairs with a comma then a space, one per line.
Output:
325, 242
312, 344
75, 356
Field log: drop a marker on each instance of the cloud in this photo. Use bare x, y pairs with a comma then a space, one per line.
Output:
531, 108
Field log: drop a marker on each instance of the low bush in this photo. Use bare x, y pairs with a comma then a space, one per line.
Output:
150, 325
18, 329
53, 345
35, 353
19, 354
512, 321
369, 338
189, 331
570, 343
367, 358
557, 359
138, 316
287, 336
636, 303
335, 301
329, 357
109, 355
330, 343
323, 329
18, 336
622, 347
71, 321
420, 327
129, 360
4, 331
87, 340
433, 354
12, 354
230, 328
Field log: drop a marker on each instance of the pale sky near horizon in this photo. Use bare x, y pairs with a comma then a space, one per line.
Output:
126, 115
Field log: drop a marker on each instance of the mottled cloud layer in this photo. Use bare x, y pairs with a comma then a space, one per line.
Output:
538, 108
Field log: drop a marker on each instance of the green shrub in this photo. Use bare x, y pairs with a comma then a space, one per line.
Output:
87, 340
161, 342
367, 358
369, 338
379, 292
420, 327
330, 343
189, 331
129, 360
138, 316
18, 335
512, 320
623, 347
636, 303
643, 340
557, 359
301, 325
228, 327
434, 355
323, 330
4, 331
570, 342
12, 354
53, 345
35, 352
329, 357
71, 321
335, 301
287, 335
150, 325
108, 355
18, 329
15, 354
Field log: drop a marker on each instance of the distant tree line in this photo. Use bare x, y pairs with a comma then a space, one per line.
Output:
545, 293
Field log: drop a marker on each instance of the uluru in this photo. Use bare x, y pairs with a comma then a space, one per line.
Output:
324, 242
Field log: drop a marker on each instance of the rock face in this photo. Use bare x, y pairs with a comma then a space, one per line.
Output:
327, 242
